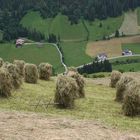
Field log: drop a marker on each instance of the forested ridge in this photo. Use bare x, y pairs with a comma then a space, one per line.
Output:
11, 11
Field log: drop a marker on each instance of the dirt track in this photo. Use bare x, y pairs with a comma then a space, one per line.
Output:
27, 126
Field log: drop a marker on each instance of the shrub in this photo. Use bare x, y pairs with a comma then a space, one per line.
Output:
66, 90
115, 77
5, 83
122, 86
131, 105
14, 73
45, 71
1, 62
30, 73
20, 64
80, 82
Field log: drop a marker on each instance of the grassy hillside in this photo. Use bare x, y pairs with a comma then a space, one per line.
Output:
33, 20
60, 25
134, 47
99, 104
32, 54
74, 53
109, 26
138, 13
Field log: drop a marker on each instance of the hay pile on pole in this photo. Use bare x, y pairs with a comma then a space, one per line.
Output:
131, 104
1, 62
5, 83
80, 82
66, 90
20, 64
45, 71
122, 86
14, 73
115, 77
30, 73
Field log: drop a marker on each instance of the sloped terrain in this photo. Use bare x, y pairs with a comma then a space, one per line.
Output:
39, 127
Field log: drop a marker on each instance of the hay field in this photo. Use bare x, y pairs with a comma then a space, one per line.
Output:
99, 104
110, 47
130, 25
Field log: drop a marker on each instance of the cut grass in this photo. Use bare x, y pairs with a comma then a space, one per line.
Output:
134, 47
109, 26
32, 54
74, 53
99, 104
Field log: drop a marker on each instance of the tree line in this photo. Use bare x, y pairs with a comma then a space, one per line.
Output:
11, 11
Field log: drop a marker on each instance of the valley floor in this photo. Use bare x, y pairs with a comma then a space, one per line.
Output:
15, 125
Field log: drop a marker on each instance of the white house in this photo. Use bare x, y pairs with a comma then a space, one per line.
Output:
19, 43
127, 52
101, 57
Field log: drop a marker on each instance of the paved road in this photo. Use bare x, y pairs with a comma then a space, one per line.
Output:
111, 58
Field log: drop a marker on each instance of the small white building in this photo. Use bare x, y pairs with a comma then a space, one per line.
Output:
101, 57
127, 52
19, 43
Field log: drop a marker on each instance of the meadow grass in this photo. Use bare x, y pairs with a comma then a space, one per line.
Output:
98, 105
32, 54
127, 67
134, 47
109, 26
33, 20
138, 14
74, 53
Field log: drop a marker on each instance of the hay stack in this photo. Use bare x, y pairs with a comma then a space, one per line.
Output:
1, 62
115, 77
131, 105
122, 86
14, 73
45, 71
20, 64
30, 73
80, 82
66, 90
5, 83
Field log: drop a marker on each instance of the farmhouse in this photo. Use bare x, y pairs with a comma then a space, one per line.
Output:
101, 57
19, 43
127, 52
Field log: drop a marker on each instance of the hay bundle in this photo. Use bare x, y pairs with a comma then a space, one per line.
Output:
66, 90
5, 83
115, 77
45, 71
1, 62
122, 86
80, 82
20, 64
131, 105
30, 73
14, 73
